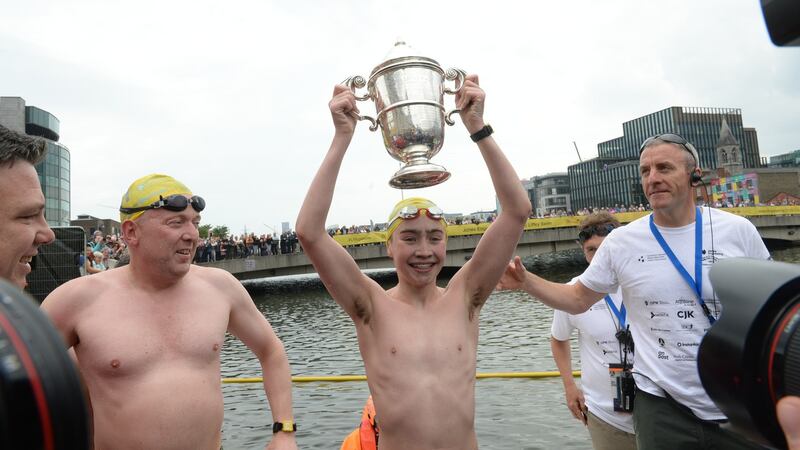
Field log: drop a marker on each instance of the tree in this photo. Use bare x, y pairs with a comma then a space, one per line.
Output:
204, 229
220, 231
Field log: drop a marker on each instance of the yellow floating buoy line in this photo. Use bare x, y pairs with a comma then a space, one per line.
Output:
344, 378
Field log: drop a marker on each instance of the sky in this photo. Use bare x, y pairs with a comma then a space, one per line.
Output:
232, 97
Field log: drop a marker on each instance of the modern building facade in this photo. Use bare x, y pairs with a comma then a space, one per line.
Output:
54, 170
613, 177
791, 159
549, 194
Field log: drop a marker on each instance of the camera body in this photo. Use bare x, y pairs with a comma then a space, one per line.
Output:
750, 358
42, 402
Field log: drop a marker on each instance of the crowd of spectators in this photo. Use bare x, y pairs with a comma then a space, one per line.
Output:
101, 253
105, 252
215, 248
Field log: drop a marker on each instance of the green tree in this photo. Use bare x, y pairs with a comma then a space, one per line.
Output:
220, 231
204, 229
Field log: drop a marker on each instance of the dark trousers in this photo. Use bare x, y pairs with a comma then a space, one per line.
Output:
662, 423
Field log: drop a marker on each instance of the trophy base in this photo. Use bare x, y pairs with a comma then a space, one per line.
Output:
417, 176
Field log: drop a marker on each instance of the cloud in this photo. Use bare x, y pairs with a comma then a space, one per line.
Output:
232, 97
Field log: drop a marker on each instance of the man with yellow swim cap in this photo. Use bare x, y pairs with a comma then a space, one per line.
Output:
418, 341
148, 335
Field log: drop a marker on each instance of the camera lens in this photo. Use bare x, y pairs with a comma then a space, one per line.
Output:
42, 404
784, 364
750, 358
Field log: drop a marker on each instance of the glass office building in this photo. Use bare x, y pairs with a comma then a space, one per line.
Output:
791, 159
54, 169
613, 177
549, 194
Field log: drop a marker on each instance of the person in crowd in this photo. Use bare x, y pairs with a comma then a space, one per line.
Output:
22, 223
148, 335
661, 263
418, 341
99, 262
89, 262
604, 345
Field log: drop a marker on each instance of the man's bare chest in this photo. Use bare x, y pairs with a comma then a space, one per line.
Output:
120, 339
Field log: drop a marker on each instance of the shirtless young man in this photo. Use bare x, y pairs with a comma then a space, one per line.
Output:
418, 341
148, 335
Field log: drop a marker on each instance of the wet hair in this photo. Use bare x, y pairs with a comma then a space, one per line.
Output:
598, 220
15, 147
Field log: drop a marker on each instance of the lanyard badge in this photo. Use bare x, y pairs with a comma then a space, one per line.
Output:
625, 388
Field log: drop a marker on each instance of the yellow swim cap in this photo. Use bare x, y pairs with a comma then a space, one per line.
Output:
418, 202
147, 190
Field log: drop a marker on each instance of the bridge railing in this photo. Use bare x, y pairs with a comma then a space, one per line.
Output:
379, 237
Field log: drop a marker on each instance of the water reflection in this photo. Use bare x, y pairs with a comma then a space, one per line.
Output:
320, 340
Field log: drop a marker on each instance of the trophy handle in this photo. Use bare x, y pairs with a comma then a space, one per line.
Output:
357, 82
458, 76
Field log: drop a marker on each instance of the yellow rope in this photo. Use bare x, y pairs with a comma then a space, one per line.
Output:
342, 378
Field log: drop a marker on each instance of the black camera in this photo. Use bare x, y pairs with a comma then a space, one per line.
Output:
783, 21
750, 358
42, 402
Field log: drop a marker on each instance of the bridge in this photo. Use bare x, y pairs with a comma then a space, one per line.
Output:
540, 236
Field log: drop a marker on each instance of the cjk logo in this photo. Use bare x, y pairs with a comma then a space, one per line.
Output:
686, 314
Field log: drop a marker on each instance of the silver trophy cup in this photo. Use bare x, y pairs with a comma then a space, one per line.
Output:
408, 92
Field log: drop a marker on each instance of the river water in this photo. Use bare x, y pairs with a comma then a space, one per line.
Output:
320, 339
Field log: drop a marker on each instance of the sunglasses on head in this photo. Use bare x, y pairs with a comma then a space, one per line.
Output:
175, 203
672, 139
412, 212
595, 230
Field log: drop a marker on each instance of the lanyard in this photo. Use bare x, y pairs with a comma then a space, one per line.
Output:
697, 283
619, 313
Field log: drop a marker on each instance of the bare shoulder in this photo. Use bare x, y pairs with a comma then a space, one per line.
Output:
81, 292
220, 281
458, 282
216, 277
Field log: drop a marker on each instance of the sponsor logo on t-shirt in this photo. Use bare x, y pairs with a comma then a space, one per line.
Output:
687, 326
652, 258
688, 344
711, 256
662, 330
685, 302
655, 302
663, 355
661, 342
685, 314
654, 314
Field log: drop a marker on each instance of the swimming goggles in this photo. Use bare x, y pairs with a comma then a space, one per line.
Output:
412, 212
175, 203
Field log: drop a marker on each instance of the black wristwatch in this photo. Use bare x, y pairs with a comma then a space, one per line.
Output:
484, 132
287, 426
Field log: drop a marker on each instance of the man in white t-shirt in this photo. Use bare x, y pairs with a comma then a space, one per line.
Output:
661, 263
604, 343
